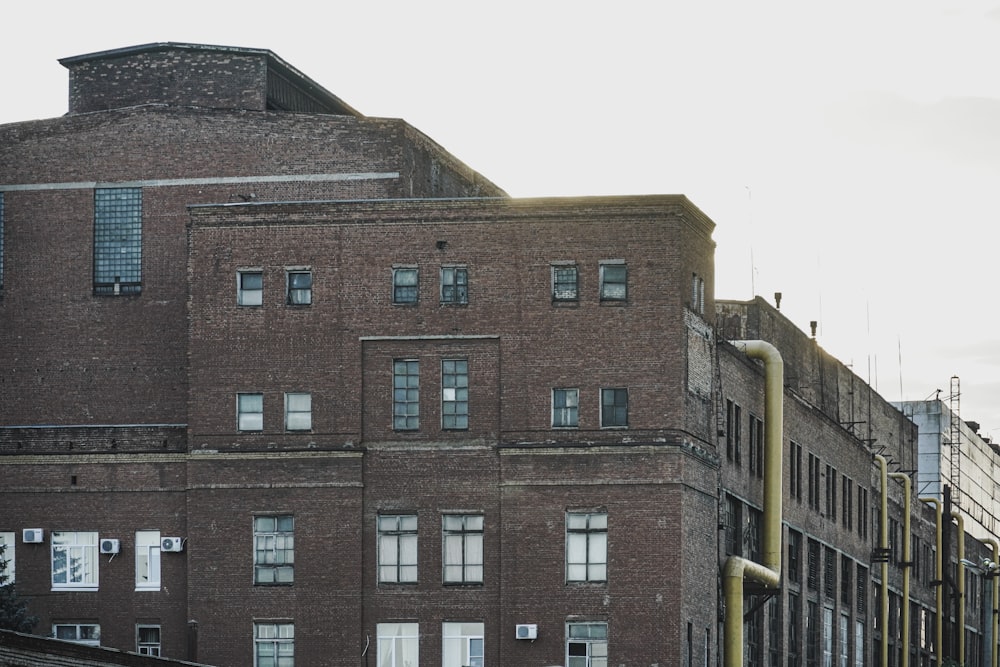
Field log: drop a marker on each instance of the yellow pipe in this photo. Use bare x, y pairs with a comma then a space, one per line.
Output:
938, 577
907, 566
883, 543
961, 586
737, 569
994, 617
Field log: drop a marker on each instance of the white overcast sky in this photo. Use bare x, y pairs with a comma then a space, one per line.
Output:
848, 152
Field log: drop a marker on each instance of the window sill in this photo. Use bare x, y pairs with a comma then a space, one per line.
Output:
74, 589
154, 589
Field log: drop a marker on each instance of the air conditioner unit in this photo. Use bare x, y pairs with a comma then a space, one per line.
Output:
526, 631
32, 535
172, 544
110, 546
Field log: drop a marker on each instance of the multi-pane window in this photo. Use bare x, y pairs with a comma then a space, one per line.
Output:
812, 634
405, 285
734, 425
565, 408
455, 394
697, 294
299, 289
250, 412
274, 549
462, 548
794, 643
756, 446
298, 412
831, 493
829, 573
812, 565
614, 407
774, 632
6, 558
81, 633
847, 501
586, 546
462, 644
1, 240
274, 644
147, 639
813, 481
565, 283
795, 469
734, 526
454, 284
614, 282
249, 288
405, 394
794, 565
117, 241
74, 559
846, 581
586, 645
147, 560
397, 548
398, 645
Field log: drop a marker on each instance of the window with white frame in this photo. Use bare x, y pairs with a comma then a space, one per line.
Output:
614, 281
586, 645
455, 394
697, 294
565, 282
147, 560
6, 558
405, 394
250, 287
454, 284
398, 645
397, 548
117, 241
462, 644
299, 287
80, 633
147, 639
586, 547
250, 412
298, 411
74, 560
274, 549
614, 407
405, 284
565, 408
463, 548
274, 644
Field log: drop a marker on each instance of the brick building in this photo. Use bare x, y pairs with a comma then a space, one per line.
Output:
283, 382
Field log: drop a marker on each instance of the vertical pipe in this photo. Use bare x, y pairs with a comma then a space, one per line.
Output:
938, 577
961, 586
883, 543
994, 614
907, 565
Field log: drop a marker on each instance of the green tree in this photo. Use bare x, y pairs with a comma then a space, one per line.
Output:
13, 611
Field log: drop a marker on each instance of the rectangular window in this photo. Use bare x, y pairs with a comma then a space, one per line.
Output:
463, 548
565, 408
812, 565
697, 294
147, 560
795, 470
734, 417
454, 284
614, 282
859, 643
1, 239
774, 632
299, 288
298, 412
794, 643
405, 394
794, 567
455, 394
250, 288
614, 407
827, 637
831, 493
564, 283
463, 644
274, 644
756, 446
586, 547
81, 633
6, 558
398, 645
274, 549
117, 241
405, 285
847, 502
74, 560
147, 639
812, 634
734, 526
846, 581
813, 481
844, 643
397, 548
861, 591
829, 573
250, 412
587, 645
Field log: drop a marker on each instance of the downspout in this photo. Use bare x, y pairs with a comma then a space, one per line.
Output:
961, 586
938, 577
883, 545
994, 618
737, 569
907, 566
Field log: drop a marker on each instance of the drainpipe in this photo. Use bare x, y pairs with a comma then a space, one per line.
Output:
961, 586
883, 544
994, 618
907, 565
938, 577
737, 570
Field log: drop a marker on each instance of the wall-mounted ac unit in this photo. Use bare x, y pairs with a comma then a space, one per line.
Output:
32, 535
526, 631
172, 544
110, 546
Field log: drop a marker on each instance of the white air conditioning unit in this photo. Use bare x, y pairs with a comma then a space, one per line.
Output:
172, 544
110, 546
526, 631
32, 535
